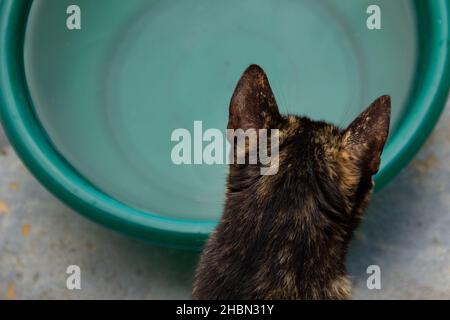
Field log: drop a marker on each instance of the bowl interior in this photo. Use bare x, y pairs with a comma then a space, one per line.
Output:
110, 95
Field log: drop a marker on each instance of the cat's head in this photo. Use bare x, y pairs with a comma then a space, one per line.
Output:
320, 165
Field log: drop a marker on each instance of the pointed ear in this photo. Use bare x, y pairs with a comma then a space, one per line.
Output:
364, 139
253, 104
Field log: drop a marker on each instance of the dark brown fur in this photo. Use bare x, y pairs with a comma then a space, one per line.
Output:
286, 236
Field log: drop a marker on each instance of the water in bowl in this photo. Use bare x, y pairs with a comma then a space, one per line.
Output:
110, 95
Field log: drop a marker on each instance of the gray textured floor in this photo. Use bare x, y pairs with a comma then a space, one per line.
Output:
406, 233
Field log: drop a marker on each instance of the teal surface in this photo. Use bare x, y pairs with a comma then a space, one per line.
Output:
109, 96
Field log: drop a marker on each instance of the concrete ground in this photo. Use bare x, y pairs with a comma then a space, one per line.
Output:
406, 233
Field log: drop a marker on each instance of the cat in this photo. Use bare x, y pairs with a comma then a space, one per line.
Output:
285, 236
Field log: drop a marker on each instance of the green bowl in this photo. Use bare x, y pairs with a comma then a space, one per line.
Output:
91, 111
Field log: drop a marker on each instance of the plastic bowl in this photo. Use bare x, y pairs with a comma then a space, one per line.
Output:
90, 111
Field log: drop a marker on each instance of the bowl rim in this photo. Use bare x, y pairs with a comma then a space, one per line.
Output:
35, 150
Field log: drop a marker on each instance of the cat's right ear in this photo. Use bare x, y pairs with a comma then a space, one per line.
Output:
364, 139
253, 104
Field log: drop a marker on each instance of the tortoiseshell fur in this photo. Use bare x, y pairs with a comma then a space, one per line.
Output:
286, 236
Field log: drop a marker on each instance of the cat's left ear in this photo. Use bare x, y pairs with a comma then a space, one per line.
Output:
253, 104
364, 139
